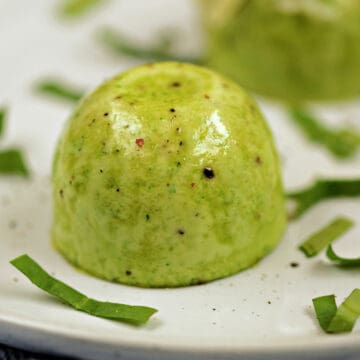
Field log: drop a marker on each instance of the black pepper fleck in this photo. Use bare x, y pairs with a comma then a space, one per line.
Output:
294, 264
252, 108
181, 232
147, 217
106, 114
61, 192
128, 272
178, 164
180, 143
208, 172
258, 160
172, 110
12, 224
175, 84
199, 282
269, 302
101, 171
117, 190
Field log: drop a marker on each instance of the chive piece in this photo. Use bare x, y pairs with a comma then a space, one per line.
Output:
342, 143
75, 8
135, 315
125, 47
12, 163
335, 320
318, 241
340, 260
59, 89
346, 314
325, 309
323, 190
2, 120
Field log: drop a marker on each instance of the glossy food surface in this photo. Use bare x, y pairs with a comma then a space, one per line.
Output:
166, 175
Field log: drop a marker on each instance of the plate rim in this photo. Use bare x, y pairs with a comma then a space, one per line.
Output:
13, 332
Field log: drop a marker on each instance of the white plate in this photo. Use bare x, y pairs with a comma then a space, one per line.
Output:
264, 312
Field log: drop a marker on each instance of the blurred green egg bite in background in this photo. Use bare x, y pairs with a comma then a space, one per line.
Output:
287, 49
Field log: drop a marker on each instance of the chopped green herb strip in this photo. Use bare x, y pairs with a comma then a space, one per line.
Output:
59, 90
342, 143
12, 163
322, 190
133, 314
318, 241
335, 320
2, 120
125, 47
346, 314
340, 260
75, 8
325, 309
166, 39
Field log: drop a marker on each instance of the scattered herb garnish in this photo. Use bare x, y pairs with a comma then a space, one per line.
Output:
342, 143
12, 163
322, 190
126, 47
2, 120
324, 237
11, 160
59, 89
325, 309
75, 8
333, 319
136, 315
340, 260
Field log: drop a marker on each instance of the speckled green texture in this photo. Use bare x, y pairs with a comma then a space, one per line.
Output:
288, 49
145, 214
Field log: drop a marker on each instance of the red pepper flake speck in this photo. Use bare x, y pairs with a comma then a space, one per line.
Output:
139, 142
193, 184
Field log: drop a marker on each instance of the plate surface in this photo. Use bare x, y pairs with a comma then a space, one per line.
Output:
264, 312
